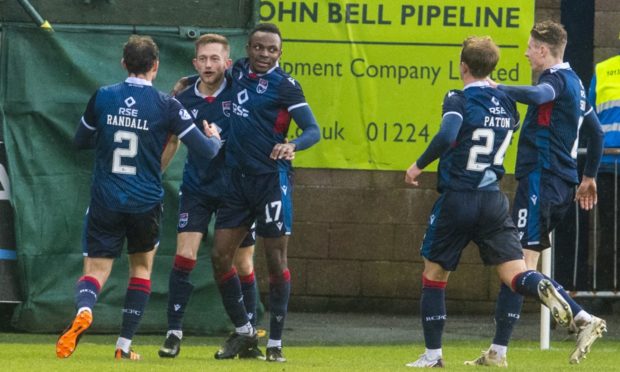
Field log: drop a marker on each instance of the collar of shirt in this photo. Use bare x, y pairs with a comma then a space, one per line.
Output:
254, 75
212, 96
560, 66
138, 81
478, 83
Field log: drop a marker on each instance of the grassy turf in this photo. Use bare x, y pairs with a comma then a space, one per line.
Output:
25, 352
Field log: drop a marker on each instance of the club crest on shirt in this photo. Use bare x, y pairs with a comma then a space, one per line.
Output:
262, 86
183, 218
226, 108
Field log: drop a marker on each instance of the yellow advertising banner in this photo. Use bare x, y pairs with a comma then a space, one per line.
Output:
375, 72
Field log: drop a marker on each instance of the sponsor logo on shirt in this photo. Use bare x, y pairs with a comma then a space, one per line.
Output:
184, 114
238, 109
129, 101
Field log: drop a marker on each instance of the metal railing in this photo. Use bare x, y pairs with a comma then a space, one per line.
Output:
594, 243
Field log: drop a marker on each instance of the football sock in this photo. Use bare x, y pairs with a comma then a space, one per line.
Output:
574, 307
232, 299
433, 354
526, 283
123, 344
248, 289
137, 296
247, 329
501, 350
433, 311
274, 343
279, 293
179, 290
507, 313
582, 317
86, 291
175, 332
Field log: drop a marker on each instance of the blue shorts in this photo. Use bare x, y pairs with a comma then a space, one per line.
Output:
195, 213
264, 198
459, 217
541, 202
105, 231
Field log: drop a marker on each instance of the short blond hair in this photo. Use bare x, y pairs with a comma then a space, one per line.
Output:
210, 39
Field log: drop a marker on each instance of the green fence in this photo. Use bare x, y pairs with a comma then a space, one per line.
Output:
46, 80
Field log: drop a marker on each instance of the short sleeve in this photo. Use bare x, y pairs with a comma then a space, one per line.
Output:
90, 114
453, 102
180, 119
291, 94
554, 80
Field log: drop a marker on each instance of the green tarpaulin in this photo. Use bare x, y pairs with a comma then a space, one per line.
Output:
46, 80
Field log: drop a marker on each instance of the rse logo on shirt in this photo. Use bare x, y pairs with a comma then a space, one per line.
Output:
242, 97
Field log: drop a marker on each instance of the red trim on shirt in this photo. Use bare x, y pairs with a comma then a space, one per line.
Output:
544, 114
282, 121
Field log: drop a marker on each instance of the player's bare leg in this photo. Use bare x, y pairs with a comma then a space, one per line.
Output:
531, 258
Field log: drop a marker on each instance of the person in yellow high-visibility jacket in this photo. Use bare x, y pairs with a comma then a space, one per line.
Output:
604, 96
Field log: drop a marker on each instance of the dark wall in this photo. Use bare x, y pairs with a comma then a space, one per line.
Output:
199, 13
578, 18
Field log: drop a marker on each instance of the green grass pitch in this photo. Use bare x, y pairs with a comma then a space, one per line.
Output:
27, 352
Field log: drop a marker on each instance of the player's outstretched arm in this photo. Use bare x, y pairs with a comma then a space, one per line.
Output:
530, 95
200, 144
